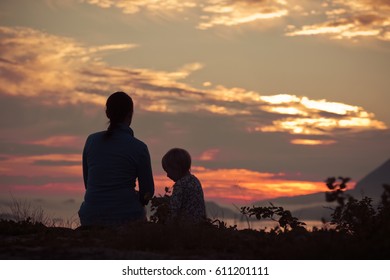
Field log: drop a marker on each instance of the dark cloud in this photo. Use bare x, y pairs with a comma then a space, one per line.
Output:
351, 20
6, 61
29, 114
70, 201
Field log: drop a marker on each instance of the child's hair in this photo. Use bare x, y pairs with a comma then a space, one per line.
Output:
177, 158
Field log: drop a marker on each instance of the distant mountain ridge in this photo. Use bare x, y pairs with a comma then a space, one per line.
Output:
314, 206
371, 184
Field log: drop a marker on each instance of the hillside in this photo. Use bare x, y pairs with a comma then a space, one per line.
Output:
371, 184
314, 206
156, 241
364, 236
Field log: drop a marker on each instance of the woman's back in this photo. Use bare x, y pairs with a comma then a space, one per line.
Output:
112, 162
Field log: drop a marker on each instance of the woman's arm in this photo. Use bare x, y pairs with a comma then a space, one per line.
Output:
85, 164
145, 177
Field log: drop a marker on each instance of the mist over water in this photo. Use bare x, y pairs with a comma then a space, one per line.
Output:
64, 211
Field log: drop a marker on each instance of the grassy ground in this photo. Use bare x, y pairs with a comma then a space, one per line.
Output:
360, 231
24, 240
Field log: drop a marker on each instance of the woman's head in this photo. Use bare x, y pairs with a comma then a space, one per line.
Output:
177, 163
119, 108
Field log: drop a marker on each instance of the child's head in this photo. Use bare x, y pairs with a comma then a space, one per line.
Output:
177, 163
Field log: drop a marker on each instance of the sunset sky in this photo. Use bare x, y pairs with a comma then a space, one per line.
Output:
270, 97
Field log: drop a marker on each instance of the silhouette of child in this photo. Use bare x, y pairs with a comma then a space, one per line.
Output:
187, 204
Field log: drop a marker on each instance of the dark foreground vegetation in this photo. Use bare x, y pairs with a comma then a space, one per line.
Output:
358, 230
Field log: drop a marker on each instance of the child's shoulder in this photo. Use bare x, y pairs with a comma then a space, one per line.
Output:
188, 179
194, 178
194, 181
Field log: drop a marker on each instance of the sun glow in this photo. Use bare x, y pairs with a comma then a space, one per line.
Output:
280, 99
331, 107
242, 185
284, 110
312, 142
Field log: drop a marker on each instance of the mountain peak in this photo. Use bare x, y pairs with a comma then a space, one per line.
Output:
371, 184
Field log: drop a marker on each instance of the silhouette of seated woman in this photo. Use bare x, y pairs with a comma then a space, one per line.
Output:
112, 161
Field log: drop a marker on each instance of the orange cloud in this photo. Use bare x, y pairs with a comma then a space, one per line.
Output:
59, 141
46, 189
135, 6
208, 155
312, 142
223, 185
242, 185
54, 165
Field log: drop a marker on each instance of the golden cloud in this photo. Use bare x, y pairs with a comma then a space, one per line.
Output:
317, 125
37, 64
213, 12
221, 110
347, 19
233, 12
135, 6
316, 117
58, 71
283, 110
280, 99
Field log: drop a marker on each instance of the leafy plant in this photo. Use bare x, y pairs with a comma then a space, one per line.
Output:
160, 207
357, 217
384, 207
336, 192
220, 224
285, 219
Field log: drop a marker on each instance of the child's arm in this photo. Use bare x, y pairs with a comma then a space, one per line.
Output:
175, 203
